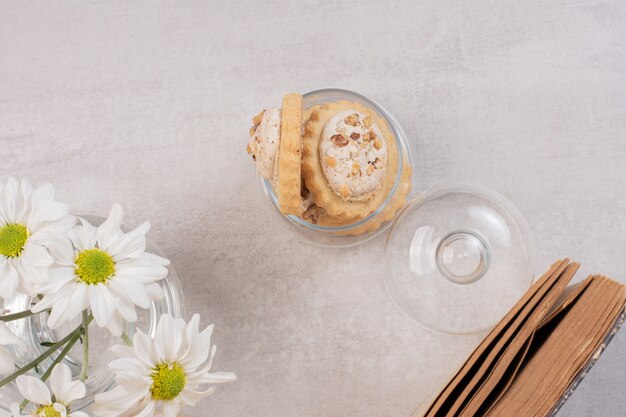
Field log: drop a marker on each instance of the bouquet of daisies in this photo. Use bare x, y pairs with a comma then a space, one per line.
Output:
96, 275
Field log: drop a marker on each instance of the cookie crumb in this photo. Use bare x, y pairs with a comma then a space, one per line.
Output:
351, 119
339, 140
356, 169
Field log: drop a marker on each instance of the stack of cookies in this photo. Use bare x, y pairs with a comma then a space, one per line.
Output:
333, 164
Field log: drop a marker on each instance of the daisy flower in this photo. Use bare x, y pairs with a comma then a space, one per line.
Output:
104, 270
157, 377
46, 403
30, 220
7, 357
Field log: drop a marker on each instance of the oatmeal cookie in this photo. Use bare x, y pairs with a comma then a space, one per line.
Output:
337, 199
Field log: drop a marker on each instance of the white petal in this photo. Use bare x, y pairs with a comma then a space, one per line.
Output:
148, 411
143, 271
156, 259
154, 291
8, 279
130, 245
199, 348
57, 278
30, 276
116, 325
129, 365
171, 408
127, 310
191, 397
132, 382
109, 231
54, 229
50, 299
60, 376
169, 338
7, 361
7, 337
72, 391
132, 289
141, 266
193, 328
24, 206
9, 197
164, 331
123, 351
36, 255
60, 408
113, 403
117, 397
83, 235
102, 304
58, 315
33, 389
142, 345
61, 251
125, 306
22, 202
79, 299
50, 211
42, 194
214, 378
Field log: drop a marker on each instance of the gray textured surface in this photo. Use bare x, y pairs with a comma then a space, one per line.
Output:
148, 104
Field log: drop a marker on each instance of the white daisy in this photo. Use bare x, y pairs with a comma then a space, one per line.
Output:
30, 220
160, 376
104, 270
8, 357
50, 404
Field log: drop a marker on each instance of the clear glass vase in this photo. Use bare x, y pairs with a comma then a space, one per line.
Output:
36, 334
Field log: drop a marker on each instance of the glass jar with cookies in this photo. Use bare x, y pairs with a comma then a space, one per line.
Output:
334, 165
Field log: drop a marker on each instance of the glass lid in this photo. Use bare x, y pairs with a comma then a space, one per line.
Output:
458, 258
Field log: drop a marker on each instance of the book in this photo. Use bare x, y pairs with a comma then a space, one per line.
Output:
537, 354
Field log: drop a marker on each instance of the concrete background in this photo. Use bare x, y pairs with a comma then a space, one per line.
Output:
148, 104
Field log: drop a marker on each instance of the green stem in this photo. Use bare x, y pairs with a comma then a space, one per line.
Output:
55, 362
21, 315
85, 365
59, 358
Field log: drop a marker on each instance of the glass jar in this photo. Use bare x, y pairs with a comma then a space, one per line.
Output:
353, 233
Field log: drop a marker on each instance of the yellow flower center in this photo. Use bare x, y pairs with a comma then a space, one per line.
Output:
47, 411
13, 237
94, 266
168, 380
